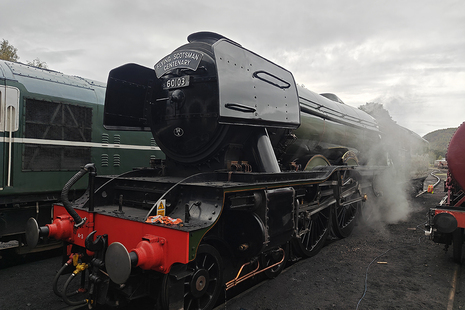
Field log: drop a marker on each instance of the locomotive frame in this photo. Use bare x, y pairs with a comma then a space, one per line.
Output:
289, 214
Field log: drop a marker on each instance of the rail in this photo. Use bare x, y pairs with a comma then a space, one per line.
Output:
438, 179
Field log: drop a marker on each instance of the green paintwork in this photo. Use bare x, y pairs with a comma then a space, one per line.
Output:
195, 238
50, 86
326, 124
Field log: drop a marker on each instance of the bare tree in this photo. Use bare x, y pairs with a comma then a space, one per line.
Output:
37, 63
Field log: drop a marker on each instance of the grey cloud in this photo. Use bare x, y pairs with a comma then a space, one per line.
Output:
394, 51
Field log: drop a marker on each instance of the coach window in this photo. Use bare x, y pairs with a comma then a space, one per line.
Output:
59, 136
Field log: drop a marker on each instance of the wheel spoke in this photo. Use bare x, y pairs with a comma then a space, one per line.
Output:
189, 304
313, 231
309, 234
345, 216
341, 216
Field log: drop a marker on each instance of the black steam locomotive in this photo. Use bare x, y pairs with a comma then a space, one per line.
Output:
257, 169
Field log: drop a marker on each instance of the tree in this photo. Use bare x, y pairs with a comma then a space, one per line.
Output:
37, 63
377, 111
8, 51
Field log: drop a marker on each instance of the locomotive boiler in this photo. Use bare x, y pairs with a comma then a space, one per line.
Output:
256, 170
447, 220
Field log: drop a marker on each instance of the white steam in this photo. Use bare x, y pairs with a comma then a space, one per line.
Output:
389, 200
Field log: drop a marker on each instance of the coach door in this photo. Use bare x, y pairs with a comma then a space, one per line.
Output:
9, 119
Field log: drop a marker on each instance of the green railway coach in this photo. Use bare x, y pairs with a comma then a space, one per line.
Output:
50, 126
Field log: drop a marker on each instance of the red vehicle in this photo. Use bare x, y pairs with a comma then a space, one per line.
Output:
447, 221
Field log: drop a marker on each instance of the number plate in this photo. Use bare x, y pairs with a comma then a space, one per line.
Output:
177, 82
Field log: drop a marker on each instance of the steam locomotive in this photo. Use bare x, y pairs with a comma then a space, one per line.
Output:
446, 222
256, 170
50, 126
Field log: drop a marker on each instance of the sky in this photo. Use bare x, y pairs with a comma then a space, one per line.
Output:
407, 55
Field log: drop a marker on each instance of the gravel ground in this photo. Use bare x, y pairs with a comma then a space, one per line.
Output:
399, 267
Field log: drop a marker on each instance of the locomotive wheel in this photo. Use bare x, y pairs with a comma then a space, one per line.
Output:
274, 257
457, 244
345, 216
312, 232
203, 287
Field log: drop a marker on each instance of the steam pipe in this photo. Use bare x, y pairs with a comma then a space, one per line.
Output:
64, 194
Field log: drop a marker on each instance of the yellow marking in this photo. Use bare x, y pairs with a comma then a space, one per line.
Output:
161, 208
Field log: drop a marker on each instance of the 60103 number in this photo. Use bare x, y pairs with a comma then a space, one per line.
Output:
177, 82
